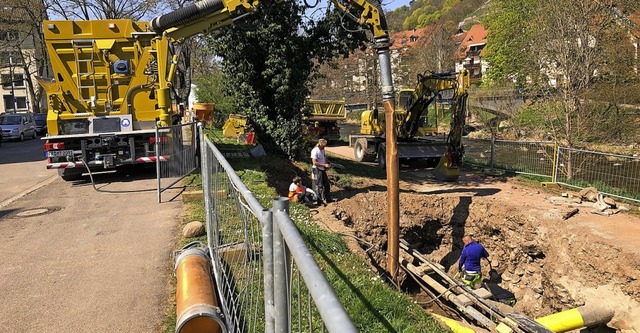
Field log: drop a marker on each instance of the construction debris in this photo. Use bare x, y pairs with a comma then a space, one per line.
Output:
570, 213
589, 197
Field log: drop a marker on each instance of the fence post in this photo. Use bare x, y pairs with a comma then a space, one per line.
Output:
556, 157
206, 187
280, 278
157, 153
267, 261
493, 150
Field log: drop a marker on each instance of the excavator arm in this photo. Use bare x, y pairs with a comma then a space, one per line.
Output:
211, 15
208, 16
429, 88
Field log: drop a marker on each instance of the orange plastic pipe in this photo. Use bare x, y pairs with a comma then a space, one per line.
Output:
196, 302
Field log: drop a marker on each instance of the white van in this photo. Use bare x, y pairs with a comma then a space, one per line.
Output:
17, 126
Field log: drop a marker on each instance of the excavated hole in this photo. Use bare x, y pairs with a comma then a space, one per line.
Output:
547, 266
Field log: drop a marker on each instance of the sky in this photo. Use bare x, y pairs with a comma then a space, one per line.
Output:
393, 4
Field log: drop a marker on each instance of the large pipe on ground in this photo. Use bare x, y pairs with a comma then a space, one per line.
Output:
584, 316
196, 302
455, 326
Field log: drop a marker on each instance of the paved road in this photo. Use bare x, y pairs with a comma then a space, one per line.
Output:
23, 167
76, 260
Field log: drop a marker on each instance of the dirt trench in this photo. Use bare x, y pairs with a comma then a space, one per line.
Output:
549, 263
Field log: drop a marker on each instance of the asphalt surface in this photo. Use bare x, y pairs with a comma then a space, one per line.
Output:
73, 259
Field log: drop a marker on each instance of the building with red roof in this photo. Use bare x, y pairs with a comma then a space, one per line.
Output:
471, 49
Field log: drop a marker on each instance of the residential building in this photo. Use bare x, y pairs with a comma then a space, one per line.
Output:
17, 61
470, 51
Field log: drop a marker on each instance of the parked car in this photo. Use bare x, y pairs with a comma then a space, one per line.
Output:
17, 126
41, 123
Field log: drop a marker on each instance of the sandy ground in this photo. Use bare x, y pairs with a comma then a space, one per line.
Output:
550, 263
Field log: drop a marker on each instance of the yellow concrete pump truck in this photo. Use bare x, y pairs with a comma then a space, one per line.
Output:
114, 81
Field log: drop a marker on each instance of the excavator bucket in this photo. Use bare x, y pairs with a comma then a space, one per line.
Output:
446, 173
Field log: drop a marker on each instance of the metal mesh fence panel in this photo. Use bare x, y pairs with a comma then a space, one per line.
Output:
526, 157
177, 154
262, 267
615, 175
234, 235
477, 151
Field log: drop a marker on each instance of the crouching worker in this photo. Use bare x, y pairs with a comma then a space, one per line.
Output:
301, 193
470, 260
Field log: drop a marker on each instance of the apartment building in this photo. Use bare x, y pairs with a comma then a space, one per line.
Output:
17, 61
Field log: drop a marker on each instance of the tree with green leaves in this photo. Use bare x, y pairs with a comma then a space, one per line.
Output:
270, 60
560, 50
210, 88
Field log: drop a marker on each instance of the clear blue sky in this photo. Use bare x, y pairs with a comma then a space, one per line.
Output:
393, 4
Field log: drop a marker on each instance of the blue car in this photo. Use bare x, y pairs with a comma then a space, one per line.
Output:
41, 123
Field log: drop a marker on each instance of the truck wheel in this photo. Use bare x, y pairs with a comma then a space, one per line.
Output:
70, 175
363, 152
382, 155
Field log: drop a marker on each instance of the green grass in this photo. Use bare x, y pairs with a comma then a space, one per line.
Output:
373, 305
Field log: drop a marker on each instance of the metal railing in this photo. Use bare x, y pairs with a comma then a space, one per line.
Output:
612, 174
266, 278
177, 154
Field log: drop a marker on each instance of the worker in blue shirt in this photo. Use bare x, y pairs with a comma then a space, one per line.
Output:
470, 259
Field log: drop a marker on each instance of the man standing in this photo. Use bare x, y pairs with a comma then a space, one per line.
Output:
470, 259
320, 165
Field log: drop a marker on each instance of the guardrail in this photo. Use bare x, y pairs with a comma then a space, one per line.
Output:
266, 277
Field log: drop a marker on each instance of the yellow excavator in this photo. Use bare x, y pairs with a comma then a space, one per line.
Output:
416, 119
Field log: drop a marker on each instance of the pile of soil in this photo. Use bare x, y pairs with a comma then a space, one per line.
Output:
550, 263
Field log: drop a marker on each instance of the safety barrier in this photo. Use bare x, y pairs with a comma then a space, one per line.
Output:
177, 147
525, 157
266, 277
612, 174
615, 175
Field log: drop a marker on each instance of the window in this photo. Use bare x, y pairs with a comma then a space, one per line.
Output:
20, 102
18, 81
6, 81
8, 102
413, 39
10, 35
10, 58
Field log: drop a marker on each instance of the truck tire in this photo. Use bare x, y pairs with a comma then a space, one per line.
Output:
363, 151
382, 155
70, 175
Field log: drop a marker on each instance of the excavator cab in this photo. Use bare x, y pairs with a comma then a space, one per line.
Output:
428, 122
